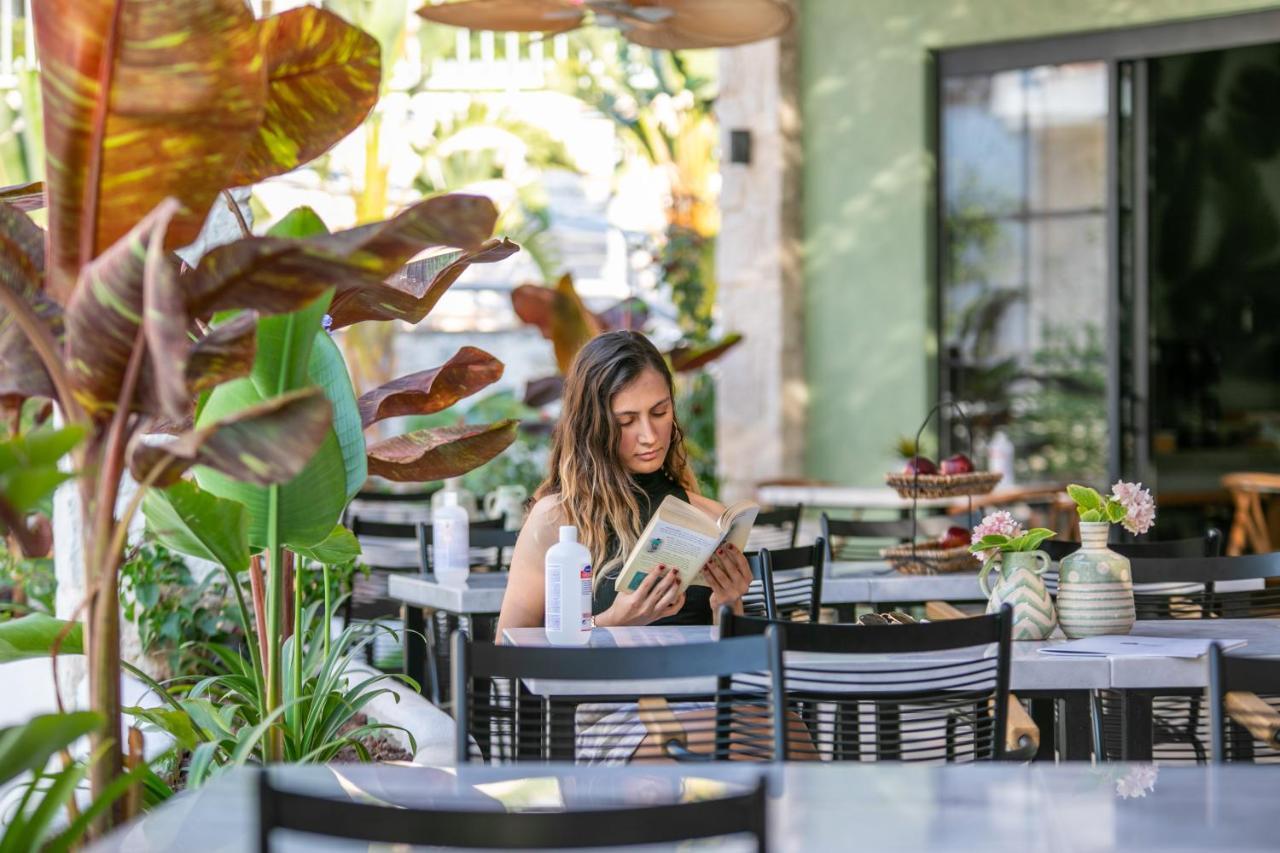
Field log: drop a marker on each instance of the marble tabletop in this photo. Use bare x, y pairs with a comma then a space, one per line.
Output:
481, 593
885, 806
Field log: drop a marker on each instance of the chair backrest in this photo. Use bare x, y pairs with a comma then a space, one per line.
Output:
386, 545
1208, 545
789, 582
1200, 595
1245, 727
488, 540
925, 692
861, 541
491, 545
589, 705
530, 830
775, 528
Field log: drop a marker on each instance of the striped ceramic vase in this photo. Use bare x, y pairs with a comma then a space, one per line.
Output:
1020, 586
1095, 587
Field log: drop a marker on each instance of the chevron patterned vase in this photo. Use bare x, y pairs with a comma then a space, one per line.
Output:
1095, 587
1020, 586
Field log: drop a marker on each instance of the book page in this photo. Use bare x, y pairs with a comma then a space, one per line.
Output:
737, 521
670, 544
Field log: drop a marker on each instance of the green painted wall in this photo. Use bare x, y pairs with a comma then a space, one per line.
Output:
866, 190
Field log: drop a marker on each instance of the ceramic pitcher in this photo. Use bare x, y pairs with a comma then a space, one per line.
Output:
507, 501
1020, 585
1095, 587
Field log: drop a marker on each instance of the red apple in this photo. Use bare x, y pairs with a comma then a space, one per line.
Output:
955, 537
958, 464
920, 465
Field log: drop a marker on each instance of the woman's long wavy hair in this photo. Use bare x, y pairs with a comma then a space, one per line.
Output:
586, 471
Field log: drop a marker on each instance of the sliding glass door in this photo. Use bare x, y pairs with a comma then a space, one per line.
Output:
1109, 251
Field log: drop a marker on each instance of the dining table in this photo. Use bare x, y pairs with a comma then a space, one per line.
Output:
989, 806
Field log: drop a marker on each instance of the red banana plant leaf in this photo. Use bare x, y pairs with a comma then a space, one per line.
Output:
434, 454
410, 294
263, 444
685, 359
559, 314
431, 391
141, 103
322, 74
25, 197
22, 374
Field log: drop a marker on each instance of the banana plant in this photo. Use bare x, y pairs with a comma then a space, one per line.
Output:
151, 112
561, 316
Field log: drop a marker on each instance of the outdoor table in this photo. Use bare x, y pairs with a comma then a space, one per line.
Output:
885, 498
479, 599
990, 806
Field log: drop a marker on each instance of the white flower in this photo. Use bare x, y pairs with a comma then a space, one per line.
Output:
1137, 782
1140, 507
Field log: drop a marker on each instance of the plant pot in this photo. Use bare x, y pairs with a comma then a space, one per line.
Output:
1095, 587
1020, 585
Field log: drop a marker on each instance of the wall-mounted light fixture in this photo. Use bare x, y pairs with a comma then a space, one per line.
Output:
739, 146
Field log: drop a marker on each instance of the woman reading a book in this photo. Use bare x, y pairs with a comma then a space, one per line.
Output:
617, 453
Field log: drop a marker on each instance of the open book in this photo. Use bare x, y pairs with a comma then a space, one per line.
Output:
681, 537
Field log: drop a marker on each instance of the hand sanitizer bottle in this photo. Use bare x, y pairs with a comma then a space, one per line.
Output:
568, 591
451, 542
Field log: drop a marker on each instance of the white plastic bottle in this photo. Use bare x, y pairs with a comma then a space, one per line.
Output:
568, 591
451, 541
1000, 457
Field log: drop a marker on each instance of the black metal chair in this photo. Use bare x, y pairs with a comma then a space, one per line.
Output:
1244, 706
1209, 545
775, 528
280, 809
1180, 728
861, 541
515, 704
878, 704
789, 582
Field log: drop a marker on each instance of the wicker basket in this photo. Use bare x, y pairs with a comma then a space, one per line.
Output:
942, 485
930, 558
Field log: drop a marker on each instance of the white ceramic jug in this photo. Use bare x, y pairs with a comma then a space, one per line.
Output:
507, 501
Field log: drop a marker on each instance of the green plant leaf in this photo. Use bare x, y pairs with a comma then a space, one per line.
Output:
991, 540
33, 636
328, 369
39, 448
431, 391
192, 521
312, 501
339, 546
434, 454
31, 745
1091, 515
1085, 497
175, 723
1115, 511
1035, 537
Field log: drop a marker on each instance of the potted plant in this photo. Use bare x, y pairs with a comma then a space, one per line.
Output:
1095, 585
1000, 541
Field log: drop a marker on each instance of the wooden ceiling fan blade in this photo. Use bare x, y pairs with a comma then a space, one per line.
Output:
712, 23
525, 16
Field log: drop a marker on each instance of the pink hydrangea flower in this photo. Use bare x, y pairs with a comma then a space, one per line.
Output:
1140, 507
997, 523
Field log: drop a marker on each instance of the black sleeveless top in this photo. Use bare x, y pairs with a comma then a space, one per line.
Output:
650, 489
